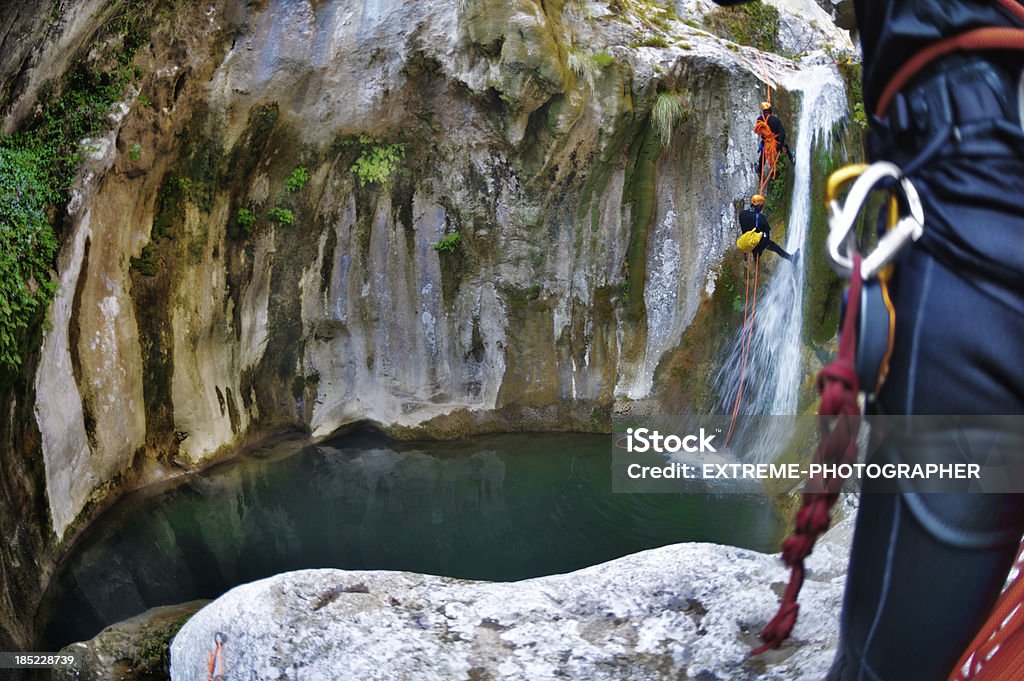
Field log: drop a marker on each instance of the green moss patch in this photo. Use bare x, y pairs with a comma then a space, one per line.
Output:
755, 24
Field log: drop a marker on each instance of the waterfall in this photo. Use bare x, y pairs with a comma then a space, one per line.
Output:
773, 372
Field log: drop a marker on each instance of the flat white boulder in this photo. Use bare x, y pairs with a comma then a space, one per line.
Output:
681, 611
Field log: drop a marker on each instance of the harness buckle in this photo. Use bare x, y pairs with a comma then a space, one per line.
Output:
841, 242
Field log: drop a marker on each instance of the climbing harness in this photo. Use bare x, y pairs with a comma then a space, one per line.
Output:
216, 659
839, 383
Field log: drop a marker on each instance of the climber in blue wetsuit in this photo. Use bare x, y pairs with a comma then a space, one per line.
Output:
753, 218
925, 568
775, 127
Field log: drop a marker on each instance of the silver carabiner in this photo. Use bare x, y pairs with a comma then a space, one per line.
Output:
841, 242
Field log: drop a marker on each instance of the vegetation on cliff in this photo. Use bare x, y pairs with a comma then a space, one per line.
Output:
27, 247
754, 23
37, 166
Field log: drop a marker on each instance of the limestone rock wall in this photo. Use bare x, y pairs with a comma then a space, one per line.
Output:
586, 241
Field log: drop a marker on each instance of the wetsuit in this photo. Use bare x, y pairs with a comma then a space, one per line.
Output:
754, 219
925, 569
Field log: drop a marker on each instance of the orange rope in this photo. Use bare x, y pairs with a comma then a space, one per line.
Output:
745, 340
1004, 624
767, 78
1013, 6
216, 658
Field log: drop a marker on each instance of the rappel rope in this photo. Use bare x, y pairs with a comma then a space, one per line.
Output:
771, 151
745, 340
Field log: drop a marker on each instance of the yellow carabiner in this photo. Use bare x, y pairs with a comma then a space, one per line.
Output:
840, 242
840, 177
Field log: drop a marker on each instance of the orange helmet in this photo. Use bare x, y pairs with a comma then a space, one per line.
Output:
765, 106
757, 200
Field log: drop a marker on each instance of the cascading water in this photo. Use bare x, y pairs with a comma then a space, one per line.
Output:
773, 373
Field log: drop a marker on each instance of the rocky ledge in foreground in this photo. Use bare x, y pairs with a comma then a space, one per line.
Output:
135, 649
687, 610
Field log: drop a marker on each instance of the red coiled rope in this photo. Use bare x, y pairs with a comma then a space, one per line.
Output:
838, 385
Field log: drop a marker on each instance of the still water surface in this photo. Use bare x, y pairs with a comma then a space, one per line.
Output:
503, 507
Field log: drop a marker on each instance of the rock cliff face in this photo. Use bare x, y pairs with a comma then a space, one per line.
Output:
436, 217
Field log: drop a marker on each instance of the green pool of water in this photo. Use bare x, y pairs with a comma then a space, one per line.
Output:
503, 507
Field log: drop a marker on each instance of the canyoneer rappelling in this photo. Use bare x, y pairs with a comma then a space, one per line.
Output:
756, 236
773, 139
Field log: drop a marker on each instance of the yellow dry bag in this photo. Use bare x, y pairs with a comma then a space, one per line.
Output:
748, 241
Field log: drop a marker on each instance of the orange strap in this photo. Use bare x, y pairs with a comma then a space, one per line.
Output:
977, 39
1014, 6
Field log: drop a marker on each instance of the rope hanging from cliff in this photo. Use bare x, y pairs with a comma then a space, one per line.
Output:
745, 340
770, 153
767, 76
838, 385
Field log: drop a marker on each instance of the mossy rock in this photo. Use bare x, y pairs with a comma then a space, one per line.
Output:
139, 647
755, 24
